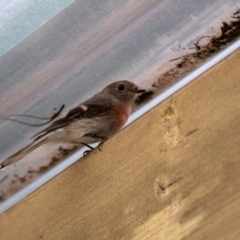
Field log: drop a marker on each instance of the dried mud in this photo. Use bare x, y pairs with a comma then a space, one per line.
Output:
228, 33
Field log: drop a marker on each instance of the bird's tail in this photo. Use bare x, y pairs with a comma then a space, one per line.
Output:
22, 153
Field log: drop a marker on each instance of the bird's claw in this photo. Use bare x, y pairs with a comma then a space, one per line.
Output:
86, 152
99, 147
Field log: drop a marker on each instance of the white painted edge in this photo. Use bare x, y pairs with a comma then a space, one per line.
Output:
8, 203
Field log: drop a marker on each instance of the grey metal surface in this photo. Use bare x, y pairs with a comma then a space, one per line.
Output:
18, 19
88, 45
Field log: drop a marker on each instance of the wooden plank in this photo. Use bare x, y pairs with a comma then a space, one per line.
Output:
172, 174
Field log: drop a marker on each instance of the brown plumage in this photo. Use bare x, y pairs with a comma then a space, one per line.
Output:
96, 119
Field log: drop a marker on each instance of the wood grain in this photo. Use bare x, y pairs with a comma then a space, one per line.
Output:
172, 174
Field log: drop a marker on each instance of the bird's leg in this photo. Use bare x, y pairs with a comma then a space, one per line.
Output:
85, 144
87, 151
78, 143
104, 139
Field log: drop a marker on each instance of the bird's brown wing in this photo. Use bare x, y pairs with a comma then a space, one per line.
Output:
82, 111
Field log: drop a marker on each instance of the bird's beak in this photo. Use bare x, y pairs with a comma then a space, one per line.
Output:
140, 90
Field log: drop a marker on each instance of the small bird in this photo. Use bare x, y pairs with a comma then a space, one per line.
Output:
97, 119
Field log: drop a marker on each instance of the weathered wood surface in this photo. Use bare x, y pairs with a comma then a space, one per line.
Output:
172, 174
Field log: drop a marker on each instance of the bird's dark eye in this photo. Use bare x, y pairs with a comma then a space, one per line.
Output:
120, 87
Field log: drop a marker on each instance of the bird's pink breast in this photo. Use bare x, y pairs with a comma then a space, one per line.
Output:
122, 114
